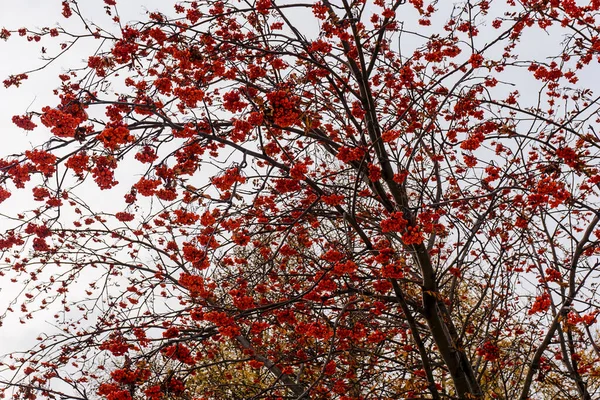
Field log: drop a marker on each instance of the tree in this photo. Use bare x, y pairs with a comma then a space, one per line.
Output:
385, 200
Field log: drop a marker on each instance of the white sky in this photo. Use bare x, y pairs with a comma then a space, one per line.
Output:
18, 55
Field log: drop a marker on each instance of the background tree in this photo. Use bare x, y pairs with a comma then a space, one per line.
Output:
313, 209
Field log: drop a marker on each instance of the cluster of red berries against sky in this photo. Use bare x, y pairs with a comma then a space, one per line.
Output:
345, 199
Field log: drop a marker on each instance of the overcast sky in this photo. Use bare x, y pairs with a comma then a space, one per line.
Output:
18, 56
